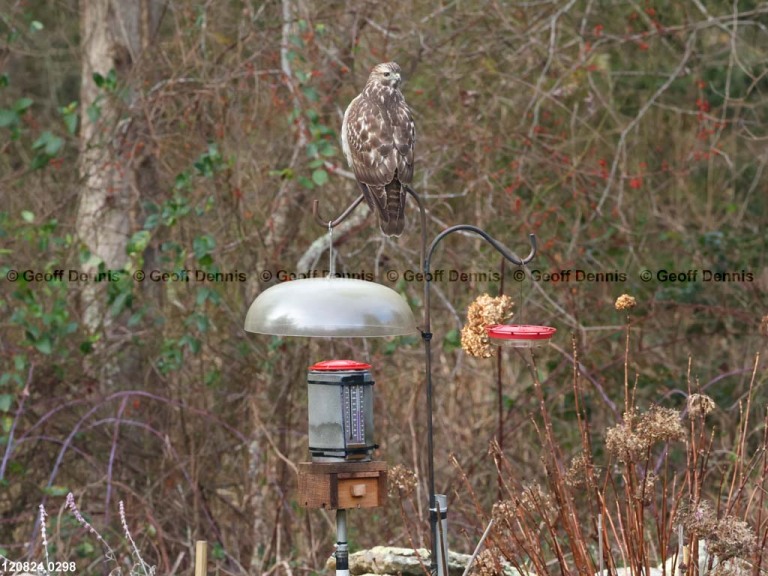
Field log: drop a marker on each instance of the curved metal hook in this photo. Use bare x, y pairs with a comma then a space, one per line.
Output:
500, 248
534, 248
325, 222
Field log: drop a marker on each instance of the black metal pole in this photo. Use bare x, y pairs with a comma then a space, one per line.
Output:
433, 519
427, 337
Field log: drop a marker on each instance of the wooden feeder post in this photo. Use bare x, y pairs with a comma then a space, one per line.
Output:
340, 486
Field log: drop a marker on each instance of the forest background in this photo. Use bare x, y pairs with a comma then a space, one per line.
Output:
161, 137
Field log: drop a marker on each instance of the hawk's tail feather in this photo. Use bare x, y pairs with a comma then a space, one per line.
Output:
395, 209
388, 202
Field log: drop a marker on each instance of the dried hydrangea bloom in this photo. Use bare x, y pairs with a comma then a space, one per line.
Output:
504, 511
401, 480
623, 443
660, 425
625, 302
578, 473
699, 405
731, 538
504, 515
487, 564
697, 518
483, 312
631, 440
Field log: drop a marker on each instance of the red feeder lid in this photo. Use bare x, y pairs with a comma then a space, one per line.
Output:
335, 365
519, 332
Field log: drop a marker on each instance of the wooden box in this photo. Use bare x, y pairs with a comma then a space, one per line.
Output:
342, 485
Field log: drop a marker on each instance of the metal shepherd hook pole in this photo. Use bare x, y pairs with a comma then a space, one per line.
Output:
439, 552
439, 535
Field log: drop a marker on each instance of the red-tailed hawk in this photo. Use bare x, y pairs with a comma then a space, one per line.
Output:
377, 136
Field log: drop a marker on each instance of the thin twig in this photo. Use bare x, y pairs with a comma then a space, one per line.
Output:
477, 548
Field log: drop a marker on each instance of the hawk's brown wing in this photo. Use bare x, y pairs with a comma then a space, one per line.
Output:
404, 135
370, 143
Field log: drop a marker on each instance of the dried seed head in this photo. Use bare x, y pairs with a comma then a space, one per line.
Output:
623, 443
484, 312
625, 302
494, 449
764, 326
578, 472
660, 425
504, 514
732, 538
699, 405
487, 564
401, 480
504, 511
699, 518
631, 440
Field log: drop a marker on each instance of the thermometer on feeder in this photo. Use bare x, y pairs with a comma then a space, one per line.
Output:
353, 401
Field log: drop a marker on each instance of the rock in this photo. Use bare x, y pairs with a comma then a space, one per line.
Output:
391, 560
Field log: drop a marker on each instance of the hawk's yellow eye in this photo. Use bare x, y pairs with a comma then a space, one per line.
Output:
386, 74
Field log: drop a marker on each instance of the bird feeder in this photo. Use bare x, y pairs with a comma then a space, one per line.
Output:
340, 397
342, 473
519, 335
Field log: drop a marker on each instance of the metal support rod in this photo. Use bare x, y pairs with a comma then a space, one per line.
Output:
426, 334
339, 219
342, 549
423, 222
441, 511
426, 337
500, 400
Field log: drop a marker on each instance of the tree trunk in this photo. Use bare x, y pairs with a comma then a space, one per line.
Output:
114, 35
